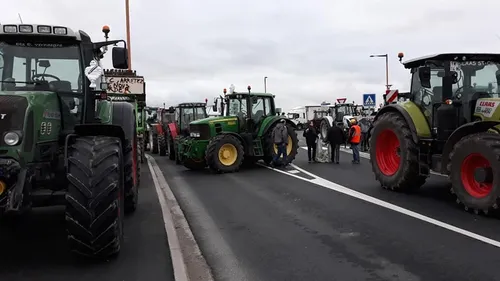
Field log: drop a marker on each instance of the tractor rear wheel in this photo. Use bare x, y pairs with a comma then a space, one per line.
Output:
475, 172
271, 149
162, 145
224, 154
394, 155
132, 175
94, 200
153, 142
170, 147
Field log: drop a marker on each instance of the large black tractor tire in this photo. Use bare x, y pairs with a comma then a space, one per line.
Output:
476, 151
123, 115
218, 147
154, 143
323, 129
177, 157
146, 141
162, 145
394, 155
171, 147
95, 197
270, 150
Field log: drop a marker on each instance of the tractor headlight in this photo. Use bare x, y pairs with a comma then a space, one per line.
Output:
194, 134
11, 138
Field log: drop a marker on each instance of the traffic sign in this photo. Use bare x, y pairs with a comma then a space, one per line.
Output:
341, 100
391, 95
369, 99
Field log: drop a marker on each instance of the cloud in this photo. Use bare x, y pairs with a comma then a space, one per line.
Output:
311, 50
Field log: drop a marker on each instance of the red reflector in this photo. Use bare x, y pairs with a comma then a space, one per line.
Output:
104, 96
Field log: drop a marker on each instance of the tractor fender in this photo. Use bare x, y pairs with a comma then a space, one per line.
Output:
238, 136
173, 130
271, 121
124, 116
460, 133
329, 119
412, 115
158, 128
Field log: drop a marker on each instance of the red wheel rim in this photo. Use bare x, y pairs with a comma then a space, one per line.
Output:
134, 160
469, 165
386, 151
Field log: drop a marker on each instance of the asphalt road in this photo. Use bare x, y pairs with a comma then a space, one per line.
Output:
260, 224
36, 250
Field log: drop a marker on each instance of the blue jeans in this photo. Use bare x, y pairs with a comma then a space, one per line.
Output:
355, 152
281, 151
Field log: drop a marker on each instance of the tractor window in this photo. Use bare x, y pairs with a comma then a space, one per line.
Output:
41, 66
258, 110
485, 79
268, 108
200, 113
237, 107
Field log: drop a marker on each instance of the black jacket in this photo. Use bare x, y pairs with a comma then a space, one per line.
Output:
311, 135
335, 135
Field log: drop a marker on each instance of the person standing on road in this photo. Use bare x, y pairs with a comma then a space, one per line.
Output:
280, 139
335, 137
311, 136
365, 127
354, 140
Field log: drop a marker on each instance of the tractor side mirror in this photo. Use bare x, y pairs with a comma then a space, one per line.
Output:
171, 109
120, 58
155, 116
255, 100
214, 107
497, 74
424, 74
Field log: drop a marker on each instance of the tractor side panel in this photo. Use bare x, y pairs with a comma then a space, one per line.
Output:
173, 130
225, 124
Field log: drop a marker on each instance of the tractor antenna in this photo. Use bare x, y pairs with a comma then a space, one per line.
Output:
20, 18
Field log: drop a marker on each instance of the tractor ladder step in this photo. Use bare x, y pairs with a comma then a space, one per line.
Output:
257, 148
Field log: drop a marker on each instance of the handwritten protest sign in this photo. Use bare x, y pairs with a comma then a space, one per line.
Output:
125, 85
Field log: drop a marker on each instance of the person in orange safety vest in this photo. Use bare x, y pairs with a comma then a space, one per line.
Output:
355, 139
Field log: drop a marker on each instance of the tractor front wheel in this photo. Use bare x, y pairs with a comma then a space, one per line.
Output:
153, 142
475, 172
394, 155
323, 129
132, 175
95, 197
170, 147
224, 154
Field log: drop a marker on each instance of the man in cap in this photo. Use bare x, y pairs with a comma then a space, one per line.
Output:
280, 139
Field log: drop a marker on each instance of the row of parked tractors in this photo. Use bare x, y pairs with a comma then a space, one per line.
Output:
240, 136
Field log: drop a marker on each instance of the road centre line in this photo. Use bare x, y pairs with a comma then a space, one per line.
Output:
367, 156
350, 192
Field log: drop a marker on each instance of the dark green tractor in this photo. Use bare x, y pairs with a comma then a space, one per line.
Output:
62, 141
242, 134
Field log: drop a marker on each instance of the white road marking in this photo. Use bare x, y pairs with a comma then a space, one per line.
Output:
165, 195
367, 156
356, 194
294, 171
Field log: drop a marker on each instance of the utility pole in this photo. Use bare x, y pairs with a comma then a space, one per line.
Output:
386, 56
265, 84
129, 46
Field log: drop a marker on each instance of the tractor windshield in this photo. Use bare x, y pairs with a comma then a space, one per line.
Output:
477, 76
189, 114
346, 109
32, 66
237, 107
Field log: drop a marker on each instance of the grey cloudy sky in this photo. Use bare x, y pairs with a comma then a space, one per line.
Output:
312, 50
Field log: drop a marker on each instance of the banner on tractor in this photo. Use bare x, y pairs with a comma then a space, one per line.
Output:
126, 85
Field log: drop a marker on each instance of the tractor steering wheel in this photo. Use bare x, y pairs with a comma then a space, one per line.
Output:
43, 75
456, 94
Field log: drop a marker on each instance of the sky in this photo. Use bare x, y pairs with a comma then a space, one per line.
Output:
311, 51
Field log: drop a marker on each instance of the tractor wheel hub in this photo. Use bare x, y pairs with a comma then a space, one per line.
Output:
483, 175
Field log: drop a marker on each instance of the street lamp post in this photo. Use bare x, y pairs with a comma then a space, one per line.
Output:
127, 20
265, 84
386, 68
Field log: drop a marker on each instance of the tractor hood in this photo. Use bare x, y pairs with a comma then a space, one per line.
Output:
213, 119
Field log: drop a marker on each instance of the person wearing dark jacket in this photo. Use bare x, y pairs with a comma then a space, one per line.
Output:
335, 137
311, 136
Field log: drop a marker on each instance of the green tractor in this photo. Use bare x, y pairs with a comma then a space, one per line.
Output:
127, 86
63, 142
150, 116
449, 124
242, 134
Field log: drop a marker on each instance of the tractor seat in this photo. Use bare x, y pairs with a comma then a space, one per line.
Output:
60, 86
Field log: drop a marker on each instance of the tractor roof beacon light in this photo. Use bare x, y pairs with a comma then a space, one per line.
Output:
224, 91
401, 56
249, 89
206, 100
106, 30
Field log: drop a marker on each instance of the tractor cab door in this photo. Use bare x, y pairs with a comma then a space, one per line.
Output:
238, 106
261, 107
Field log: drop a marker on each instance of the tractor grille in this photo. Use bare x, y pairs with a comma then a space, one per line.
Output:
13, 110
203, 129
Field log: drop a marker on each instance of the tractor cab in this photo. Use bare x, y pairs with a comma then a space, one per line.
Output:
185, 113
250, 108
447, 88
